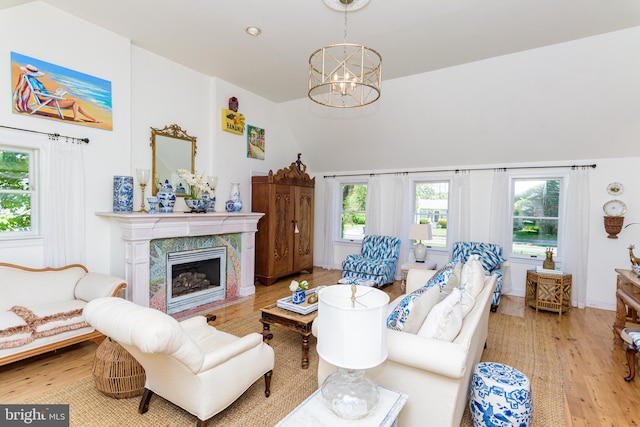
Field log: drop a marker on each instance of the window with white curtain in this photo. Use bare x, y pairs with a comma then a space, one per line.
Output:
536, 214
18, 195
432, 207
353, 207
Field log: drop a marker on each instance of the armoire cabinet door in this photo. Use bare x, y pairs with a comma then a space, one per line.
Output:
283, 223
303, 230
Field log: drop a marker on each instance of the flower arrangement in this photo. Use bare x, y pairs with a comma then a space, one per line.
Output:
298, 286
197, 184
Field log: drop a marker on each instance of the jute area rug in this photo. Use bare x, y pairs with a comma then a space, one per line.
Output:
290, 385
530, 348
517, 342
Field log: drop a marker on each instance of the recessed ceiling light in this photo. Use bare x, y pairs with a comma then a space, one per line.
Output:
253, 31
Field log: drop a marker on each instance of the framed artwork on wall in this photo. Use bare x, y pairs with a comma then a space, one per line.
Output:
255, 142
48, 91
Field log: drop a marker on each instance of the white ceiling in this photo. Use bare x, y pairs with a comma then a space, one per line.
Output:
413, 36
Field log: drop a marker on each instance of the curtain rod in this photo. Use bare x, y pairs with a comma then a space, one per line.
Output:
52, 136
592, 166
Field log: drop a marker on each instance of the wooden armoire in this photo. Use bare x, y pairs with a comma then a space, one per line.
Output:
284, 241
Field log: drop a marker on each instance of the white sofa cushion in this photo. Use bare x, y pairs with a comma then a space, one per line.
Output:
444, 321
453, 281
14, 330
409, 314
467, 301
473, 276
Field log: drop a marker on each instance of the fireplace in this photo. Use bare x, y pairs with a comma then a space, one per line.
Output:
195, 278
147, 239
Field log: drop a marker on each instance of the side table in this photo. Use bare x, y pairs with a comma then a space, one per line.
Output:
551, 292
404, 268
314, 412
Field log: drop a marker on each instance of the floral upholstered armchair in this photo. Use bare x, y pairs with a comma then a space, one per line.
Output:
491, 258
377, 260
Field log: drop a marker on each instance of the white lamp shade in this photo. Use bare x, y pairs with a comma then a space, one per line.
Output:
420, 232
352, 337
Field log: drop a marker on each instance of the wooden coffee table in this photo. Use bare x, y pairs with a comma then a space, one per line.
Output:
299, 323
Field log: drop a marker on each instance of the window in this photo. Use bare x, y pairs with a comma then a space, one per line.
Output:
16, 192
432, 207
353, 214
536, 207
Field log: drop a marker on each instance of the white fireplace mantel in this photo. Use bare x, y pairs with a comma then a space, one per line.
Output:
138, 229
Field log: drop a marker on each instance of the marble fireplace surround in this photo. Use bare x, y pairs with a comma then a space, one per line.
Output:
137, 230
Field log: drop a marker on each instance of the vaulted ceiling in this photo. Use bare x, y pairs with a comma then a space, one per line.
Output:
413, 36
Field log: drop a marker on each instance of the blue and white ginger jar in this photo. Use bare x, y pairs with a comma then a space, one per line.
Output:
166, 198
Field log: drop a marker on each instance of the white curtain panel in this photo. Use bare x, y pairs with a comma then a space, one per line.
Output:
459, 224
63, 206
499, 229
374, 207
330, 228
400, 216
575, 237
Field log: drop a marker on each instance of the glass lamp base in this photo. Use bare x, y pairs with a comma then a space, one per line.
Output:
350, 394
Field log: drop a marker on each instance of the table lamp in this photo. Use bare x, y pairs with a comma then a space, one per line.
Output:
419, 232
352, 336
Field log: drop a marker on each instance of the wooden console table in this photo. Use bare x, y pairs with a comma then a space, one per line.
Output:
627, 301
551, 292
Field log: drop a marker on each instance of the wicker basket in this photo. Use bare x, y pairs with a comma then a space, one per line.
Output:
116, 373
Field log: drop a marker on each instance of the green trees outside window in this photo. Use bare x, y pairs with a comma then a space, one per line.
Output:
353, 217
15, 192
536, 205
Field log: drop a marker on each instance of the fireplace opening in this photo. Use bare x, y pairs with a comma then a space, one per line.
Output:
195, 278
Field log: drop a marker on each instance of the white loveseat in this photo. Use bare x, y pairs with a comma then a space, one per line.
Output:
41, 309
434, 374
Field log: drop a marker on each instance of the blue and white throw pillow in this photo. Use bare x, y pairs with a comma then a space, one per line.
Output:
408, 316
442, 276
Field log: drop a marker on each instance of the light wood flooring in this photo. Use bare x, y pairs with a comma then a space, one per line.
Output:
593, 366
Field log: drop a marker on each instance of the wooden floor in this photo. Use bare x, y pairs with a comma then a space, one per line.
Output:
593, 366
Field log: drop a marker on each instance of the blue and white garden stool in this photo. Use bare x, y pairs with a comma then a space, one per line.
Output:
500, 396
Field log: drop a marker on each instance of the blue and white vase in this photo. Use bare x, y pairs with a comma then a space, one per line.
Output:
298, 297
166, 198
234, 204
197, 205
153, 203
212, 203
122, 193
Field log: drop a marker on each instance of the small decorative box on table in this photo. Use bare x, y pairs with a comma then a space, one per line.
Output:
548, 291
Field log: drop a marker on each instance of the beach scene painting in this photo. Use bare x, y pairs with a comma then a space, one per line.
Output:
49, 91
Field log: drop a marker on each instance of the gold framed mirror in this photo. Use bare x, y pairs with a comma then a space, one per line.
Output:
172, 149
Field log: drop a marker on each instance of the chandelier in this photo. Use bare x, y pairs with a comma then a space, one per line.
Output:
345, 75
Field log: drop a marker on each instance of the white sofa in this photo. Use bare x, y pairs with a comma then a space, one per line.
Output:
41, 309
434, 374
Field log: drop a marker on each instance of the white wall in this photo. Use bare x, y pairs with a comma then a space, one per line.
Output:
148, 91
575, 100
28, 30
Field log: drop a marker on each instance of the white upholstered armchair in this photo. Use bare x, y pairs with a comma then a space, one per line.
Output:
189, 363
